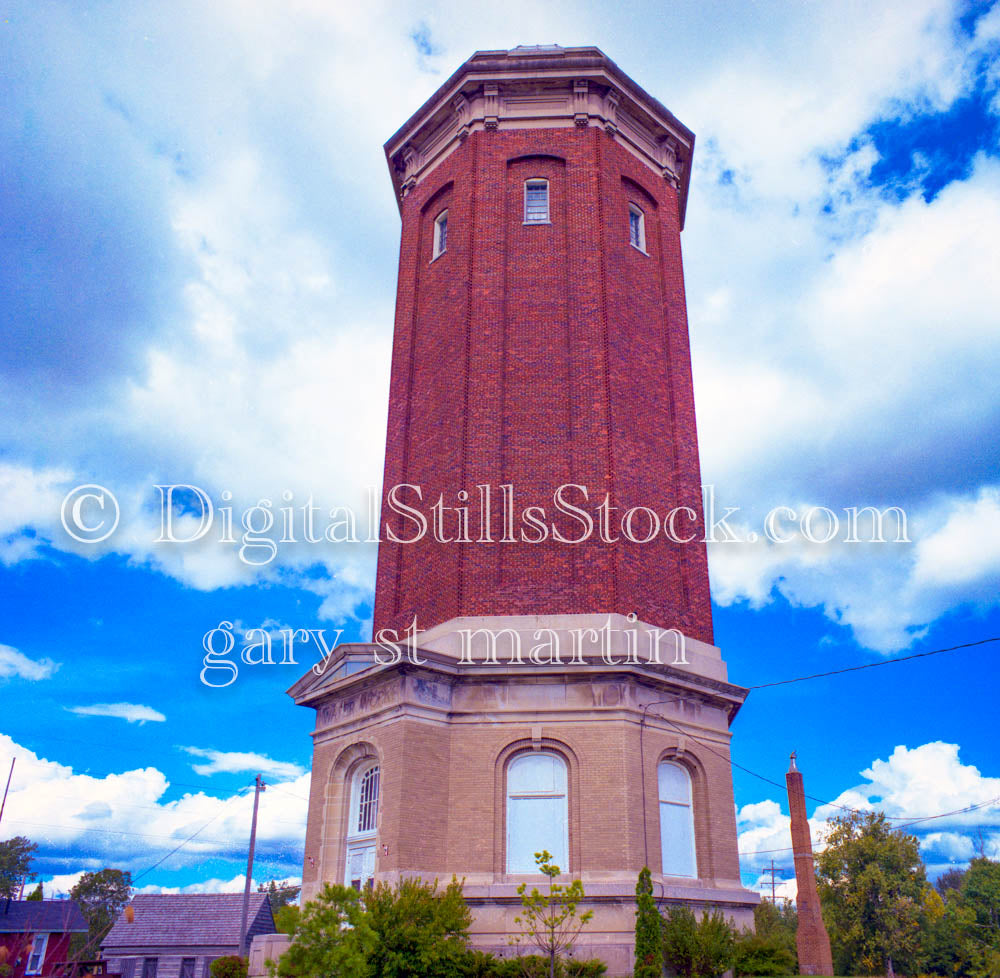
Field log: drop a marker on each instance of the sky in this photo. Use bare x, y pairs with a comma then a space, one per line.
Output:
198, 249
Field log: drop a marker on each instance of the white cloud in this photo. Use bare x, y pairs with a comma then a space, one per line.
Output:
967, 547
15, 663
234, 762
841, 359
132, 712
908, 786
127, 818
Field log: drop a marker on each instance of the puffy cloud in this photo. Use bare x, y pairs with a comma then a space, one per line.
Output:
842, 357
15, 663
908, 786
126, 819
132, 712
235, 762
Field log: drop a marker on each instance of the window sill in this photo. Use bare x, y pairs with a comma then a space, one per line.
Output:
529, 224
642, 251
440, 254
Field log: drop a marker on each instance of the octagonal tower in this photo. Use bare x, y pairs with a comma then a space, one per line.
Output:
541, 700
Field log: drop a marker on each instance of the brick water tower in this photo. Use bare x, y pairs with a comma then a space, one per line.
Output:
546, 676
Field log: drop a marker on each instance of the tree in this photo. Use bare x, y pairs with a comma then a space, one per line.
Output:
697, 949
279, 894
648, 944
36, 894
769, 949
15, 864
334, 937
286, 919
550, 920
950, 879
419, 931
229, 966
871, 886
101, 897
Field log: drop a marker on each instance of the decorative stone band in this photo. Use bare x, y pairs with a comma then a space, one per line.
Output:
548, 87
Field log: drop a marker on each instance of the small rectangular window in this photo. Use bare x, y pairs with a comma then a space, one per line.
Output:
37, 956
536, 202
440, 234
636, 228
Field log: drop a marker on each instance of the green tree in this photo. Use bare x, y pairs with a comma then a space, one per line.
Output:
334, 938
419, 931
697, 949
769, 949
279, 894
15, 864
36, 894
229, 966
648, 945
286, 919
101, 897
551, 920
980, 901
871, 885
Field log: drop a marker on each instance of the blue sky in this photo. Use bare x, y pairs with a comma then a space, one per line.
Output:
197, 273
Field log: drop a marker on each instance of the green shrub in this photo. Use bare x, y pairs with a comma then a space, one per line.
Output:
697, 949
229, 966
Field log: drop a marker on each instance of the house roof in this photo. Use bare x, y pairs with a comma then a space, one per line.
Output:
189, 920
41, 916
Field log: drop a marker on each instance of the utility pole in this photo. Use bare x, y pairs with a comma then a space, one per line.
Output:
774, 881
3, 804
259, 786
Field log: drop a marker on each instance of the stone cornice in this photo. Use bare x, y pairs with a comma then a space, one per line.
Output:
541, 87
376, 688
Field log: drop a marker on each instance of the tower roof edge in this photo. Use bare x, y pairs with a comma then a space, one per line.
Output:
584, 88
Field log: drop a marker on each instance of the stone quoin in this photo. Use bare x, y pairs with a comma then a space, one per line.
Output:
540, 341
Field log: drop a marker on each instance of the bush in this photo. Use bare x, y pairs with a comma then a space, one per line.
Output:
229, 966
419, 932
697, 949
770, 948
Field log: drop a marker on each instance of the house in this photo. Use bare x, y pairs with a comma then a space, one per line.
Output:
35, 934
180, 935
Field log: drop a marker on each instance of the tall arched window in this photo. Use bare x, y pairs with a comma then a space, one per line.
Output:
536, 811
362, 817
676, 820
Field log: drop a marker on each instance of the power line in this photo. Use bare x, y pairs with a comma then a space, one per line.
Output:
909, 819
875, 665
218, 814
924, 818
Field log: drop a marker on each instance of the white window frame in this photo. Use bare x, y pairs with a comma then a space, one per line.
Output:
39, 945
537, 181
362, 840
440, 222
636, 210
688, 863
560, 858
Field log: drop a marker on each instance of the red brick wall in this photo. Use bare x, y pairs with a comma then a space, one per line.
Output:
542, 355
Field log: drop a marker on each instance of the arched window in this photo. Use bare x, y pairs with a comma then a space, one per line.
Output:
361, 822
536, 811
676, 820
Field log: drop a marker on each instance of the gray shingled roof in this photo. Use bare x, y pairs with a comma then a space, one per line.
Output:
189, 920
41, 916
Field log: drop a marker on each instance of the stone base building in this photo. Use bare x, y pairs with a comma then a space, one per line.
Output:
436, 766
